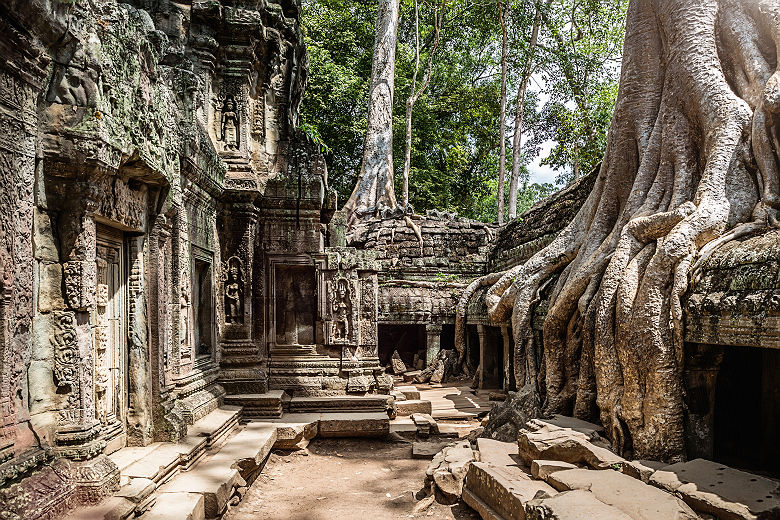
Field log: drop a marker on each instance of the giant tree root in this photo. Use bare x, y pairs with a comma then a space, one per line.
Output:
692, 151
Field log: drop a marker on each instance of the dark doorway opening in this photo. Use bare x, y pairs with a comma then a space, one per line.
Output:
448, 337
408, 340
747, 410
472, 347
493, 359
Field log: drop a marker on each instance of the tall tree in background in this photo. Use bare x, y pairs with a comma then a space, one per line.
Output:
438, 15
525, 78
375, 187
502, 14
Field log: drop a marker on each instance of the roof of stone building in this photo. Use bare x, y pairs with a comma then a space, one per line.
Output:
520, 239
735, 298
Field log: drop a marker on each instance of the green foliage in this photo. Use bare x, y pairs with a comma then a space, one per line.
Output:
454, 160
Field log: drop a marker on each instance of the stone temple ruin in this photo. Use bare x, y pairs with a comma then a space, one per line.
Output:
173, 262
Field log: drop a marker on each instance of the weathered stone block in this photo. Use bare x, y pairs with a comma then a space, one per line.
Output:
50, 296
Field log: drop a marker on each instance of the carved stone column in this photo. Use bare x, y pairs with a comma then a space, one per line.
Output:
242, 360
506, 335
482, 333
433, 344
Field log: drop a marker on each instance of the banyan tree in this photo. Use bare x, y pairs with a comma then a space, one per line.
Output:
691, 162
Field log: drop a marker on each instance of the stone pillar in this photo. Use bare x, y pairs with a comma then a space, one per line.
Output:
702, 364
241, 356
482, 332
507, 340
433, 342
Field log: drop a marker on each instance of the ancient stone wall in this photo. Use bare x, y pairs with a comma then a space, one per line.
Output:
424, 261
148, 144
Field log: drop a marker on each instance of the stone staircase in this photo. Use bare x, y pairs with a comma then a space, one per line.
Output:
224, 451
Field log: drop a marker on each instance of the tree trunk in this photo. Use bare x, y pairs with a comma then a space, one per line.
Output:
690, 140
374, 189
415, 93
517, 154
502, 123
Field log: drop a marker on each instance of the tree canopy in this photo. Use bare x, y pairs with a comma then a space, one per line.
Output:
455, 142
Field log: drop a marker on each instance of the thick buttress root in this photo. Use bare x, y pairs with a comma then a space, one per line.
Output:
692, 151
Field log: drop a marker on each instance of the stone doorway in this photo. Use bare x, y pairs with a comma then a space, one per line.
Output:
408, 340
747, 410
109, 319
492, 359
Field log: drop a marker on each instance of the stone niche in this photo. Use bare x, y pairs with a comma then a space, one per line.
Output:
323, 335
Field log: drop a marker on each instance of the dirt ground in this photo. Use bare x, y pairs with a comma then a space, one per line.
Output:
343, 479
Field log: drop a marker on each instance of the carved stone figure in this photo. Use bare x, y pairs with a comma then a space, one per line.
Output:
341, 307
184, 320
229, 124
234, 291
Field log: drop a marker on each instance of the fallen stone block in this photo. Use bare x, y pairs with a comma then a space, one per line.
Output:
541, 469
572, 505
112, 508
397, 364
412, 375
507, 418
427, 449
426, 425
554, 443
410, 392
411, 406
354, 425
182, 506
497, 453
448, 469
726, 493
635, 498
501, 491
295, 435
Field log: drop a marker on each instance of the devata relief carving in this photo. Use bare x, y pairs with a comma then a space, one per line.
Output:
229, 124
233, 278
341, 308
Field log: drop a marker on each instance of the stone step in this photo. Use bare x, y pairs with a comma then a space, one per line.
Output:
247, 450
178, 506
232, 466
159, 461
339, 403
259, 406
376, 424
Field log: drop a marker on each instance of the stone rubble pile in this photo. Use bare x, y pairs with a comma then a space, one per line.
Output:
561, 468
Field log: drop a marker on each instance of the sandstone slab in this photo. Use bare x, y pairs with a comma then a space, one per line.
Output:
427, 449
501, 490
354, 424
248, 449
212, 479
410, 392
635, 498
572, 505
411, 406
181, 506
497, 453
724, 492
554, 443
449, 467
137, 489
425, 424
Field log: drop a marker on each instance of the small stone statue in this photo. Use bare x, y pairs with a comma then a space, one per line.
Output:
230, 123
341, 307
233, 292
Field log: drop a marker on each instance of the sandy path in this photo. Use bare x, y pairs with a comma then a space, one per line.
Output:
342, 479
